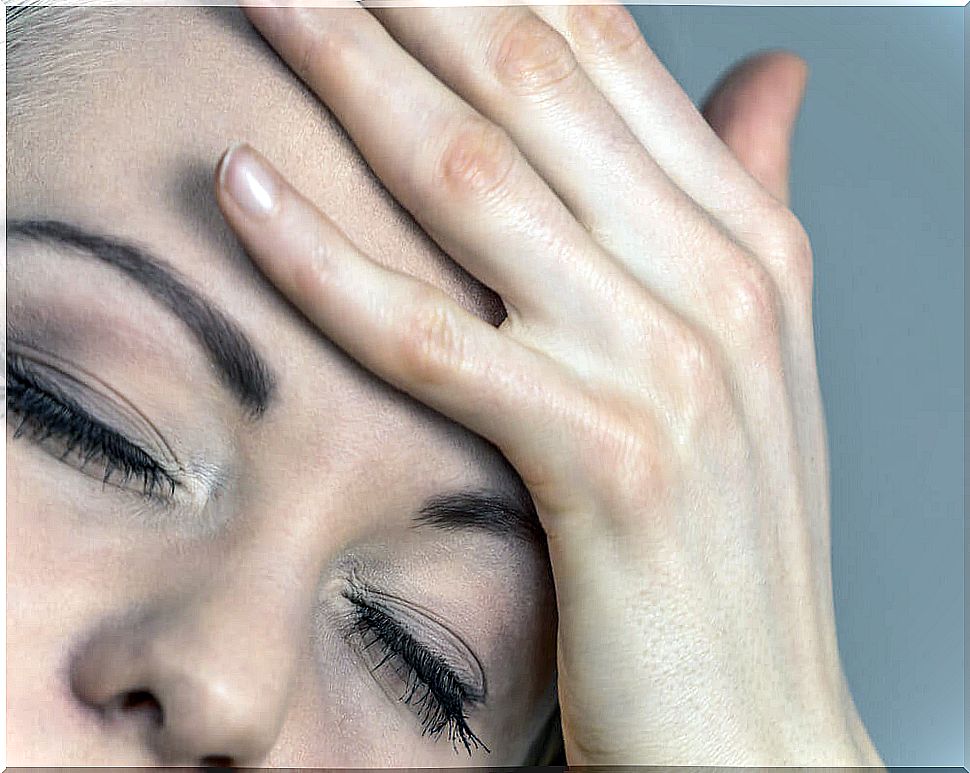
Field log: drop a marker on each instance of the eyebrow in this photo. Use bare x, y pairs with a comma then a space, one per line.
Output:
484, 510
249, 377
242, 370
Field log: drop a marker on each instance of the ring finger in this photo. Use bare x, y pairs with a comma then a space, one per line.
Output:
486, 203
460, 175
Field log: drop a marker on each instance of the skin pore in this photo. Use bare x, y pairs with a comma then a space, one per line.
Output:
230, 622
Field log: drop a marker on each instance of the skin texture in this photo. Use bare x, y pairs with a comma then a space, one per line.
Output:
99, 589
229, 610
654, 383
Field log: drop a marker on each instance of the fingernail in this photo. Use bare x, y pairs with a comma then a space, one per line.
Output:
247, 180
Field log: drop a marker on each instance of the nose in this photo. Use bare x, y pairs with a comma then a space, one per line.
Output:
203, 678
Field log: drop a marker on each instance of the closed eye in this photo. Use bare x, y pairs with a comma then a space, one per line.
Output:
61, 426
439, 697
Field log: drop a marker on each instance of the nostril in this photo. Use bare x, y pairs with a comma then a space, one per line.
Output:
137, 698
143, 701
216, 761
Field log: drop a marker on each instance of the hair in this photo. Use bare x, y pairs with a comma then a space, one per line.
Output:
56, 42
48, 47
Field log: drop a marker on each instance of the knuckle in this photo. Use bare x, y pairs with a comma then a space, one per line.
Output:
696, 362
796, 255
623, 451
699, 398
787, 250
752, 301
531, 58
606, 31
314, 272
478, 158
432, 345
794, 237
319, 52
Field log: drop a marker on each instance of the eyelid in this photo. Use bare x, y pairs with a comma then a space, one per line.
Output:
56, 369
196, 484
433, 633
445, 700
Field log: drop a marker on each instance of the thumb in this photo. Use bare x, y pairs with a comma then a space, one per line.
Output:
753, 109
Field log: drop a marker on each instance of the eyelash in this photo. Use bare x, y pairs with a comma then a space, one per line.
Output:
441, 705
44, 413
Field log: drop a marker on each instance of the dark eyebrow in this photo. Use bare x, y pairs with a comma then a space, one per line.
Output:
484, 510
240, 367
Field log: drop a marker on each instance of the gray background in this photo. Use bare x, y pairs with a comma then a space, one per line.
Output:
878, 182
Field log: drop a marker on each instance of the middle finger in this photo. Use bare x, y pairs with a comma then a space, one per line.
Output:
522, 74
461, 176
466, 182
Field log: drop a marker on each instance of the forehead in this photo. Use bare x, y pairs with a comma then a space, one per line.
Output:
148, 98
119, 127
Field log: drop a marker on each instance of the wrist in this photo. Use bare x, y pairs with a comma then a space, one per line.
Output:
825, 737
799, 737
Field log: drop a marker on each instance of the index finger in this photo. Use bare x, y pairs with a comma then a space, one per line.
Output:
461, 176
406, 331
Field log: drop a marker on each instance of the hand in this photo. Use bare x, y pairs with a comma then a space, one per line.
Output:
654, 383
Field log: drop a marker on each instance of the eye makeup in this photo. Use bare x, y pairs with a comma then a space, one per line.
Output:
419, 661
76, 417
47, 415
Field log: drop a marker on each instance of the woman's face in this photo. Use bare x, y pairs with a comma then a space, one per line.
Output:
276, 592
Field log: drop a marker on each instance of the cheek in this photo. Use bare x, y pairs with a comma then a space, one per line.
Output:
58, 583
51, 563
71, 562
339, 721
341, 717
68, 546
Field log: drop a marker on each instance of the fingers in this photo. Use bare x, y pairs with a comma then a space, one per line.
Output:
521, 74
460, 175
757, 241
608, 45
554, 409
465, 179
753, 109
405, 331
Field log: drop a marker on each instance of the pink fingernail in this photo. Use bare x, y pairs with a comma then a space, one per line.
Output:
247, 180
